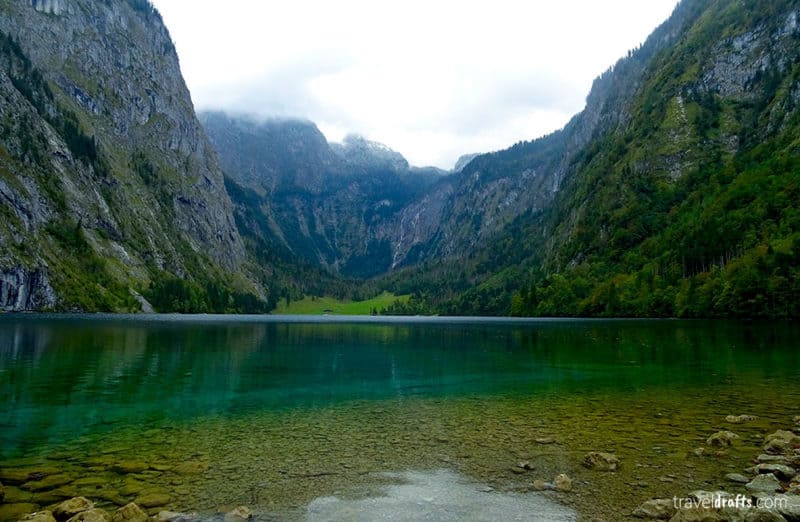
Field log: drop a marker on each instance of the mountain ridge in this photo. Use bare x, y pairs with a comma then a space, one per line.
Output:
672, 193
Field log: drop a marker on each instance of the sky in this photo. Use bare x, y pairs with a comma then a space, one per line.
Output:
432, 79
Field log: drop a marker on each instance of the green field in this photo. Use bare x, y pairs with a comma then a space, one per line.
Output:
329, 305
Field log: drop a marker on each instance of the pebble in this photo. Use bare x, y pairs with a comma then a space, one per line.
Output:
563, 483
739, 419
601, 461
660, 508
722, 439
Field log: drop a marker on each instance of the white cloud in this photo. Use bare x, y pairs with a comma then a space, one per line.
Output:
431, 79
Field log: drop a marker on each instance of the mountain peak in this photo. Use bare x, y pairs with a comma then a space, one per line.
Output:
369, 154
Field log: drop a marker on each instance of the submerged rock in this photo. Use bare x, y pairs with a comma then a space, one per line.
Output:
601, 461
240, 514
39, 516
191, 467
54, 496
129, 466
659, 509
740, 419
49, 482
722, 439
172, 516
16, 511
92, 515
70, 508
17, 476
129, 513
2, 492
764, 484
152, 500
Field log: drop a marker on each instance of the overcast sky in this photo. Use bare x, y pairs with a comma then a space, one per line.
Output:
432, 79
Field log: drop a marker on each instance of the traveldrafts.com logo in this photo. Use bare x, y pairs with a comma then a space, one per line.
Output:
722, 501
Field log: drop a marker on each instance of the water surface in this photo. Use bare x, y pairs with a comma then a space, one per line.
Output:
277, 412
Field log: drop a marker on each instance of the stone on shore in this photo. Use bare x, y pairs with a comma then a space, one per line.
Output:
781, 442
722, 439
781, 471
658, 509
737, 477
764, 484
772, 459
240, 514
601, 461
129, 513
70, 508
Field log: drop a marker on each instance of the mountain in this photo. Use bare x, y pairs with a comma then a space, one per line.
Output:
673, 193
676, 189
325, 204
108, 185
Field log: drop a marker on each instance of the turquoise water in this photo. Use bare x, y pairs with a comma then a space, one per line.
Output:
73, 387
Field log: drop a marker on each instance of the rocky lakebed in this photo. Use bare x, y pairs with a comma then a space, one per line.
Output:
755, 479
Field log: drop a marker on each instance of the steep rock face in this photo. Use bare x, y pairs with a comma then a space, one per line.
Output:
323, 203
100, 145
24, 290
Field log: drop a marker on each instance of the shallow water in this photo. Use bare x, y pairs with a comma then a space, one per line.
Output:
213, 412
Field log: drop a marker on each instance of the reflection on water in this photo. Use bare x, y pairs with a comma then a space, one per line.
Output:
81, 385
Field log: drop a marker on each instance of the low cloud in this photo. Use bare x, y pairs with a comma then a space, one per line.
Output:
432, 82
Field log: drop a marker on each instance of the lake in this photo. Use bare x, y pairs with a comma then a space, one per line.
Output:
301, 417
